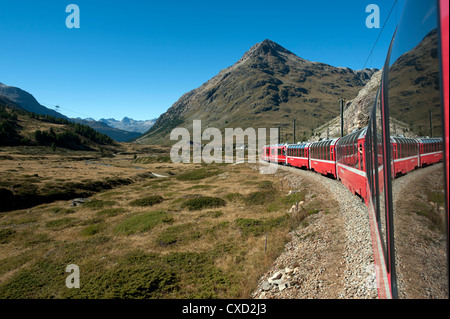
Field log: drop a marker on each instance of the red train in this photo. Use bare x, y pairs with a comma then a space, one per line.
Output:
275, 153
322, 157
350, 162
298, 155
413, 97
405, 155
431, 150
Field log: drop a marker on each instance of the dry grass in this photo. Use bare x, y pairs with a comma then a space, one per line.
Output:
203, 253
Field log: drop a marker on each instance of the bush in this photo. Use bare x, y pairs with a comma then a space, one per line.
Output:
143, 222
6, 235
137, 282
147, 201
92, 230
61, 223
111, 212
203, 202
258, 227
179, 233
260, 197
197, 174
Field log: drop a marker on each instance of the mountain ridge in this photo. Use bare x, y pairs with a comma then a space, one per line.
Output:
267, 87
19, 98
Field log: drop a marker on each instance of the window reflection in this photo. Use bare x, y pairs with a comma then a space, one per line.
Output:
416, 125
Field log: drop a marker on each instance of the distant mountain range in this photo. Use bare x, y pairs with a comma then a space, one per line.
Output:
120, 131
130, 125
268, 87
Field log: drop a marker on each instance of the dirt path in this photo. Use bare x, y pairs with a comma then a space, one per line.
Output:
330, 254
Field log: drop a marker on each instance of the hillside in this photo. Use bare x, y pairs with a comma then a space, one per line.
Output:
116, 134
414, 92
412, 95
268, 87
22, 128
26, 101
20, 99
356, 112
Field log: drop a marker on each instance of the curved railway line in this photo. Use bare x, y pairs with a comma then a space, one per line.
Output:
332, 256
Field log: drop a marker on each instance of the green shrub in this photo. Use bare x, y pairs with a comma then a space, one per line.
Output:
265, 185
198, 174
203, 202
92, 229
111, 212
147, 201
250, 226
260, 197
6, 235
61, 223
143, 222
233, 197
137, 282
179, 233
258, 227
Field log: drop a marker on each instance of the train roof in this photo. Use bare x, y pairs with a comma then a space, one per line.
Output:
331, 141
429, 139
276, 145
299, 145
402, 138
361, 133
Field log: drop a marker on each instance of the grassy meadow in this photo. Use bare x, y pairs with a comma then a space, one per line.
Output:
202, 231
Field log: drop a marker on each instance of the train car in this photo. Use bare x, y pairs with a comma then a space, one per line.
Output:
265, 153
298, 155
275, 153
431, 151
350, 162
322, 158
405, 213
405, 155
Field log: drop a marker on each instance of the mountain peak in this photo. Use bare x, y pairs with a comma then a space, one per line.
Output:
267, 47
267, 86
266, 50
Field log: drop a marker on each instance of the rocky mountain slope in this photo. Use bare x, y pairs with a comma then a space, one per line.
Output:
412, 94
356, 112
268, 87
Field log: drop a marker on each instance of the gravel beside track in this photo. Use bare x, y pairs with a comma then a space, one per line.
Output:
330, 255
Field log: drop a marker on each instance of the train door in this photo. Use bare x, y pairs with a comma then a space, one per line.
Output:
360, 156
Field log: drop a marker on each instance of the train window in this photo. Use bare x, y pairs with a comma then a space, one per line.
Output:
414, 102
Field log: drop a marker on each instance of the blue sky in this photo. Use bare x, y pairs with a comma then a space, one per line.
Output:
136, 58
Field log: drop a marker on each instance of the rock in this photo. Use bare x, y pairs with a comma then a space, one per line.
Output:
78, 201
276, 276
276, 281
283, 286
265, 286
